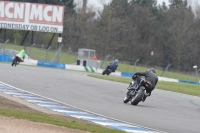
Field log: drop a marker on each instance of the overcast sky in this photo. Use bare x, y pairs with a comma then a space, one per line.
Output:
98, 3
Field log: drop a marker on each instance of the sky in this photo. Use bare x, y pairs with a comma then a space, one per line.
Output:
98, 3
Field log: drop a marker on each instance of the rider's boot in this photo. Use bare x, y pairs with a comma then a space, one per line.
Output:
145, 96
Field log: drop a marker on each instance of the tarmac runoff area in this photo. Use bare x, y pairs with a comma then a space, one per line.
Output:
165, 111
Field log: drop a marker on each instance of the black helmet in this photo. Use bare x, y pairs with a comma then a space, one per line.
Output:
152, 70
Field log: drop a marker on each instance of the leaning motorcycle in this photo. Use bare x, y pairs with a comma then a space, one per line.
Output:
15, 60
107, 71
136, 90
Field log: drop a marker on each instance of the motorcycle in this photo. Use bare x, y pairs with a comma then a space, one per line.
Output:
15, 61
107, 71
136, 90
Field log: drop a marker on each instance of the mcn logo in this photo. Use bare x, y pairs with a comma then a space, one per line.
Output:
10, 11
46, 14
34, 13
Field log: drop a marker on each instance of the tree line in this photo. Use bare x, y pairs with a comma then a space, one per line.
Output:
130, 29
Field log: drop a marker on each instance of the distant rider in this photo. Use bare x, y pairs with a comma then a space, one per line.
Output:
113, 65
150, 76
21, 56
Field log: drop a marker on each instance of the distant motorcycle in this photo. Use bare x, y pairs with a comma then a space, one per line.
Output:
136, 90
107, 71
15, 61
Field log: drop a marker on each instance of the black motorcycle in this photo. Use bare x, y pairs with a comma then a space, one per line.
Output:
136, 90
107, 71
15, 61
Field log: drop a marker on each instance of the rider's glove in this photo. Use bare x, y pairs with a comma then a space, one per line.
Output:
134, 76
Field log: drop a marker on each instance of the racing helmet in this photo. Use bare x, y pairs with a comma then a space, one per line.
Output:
152, 70
116, 60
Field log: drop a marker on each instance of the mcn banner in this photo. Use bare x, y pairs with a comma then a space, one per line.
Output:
30, 16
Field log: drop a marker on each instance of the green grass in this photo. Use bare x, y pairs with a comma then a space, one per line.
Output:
59, 121
169, 86
65, 58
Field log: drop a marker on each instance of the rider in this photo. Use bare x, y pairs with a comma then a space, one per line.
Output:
113, 65
21, 56
150, 76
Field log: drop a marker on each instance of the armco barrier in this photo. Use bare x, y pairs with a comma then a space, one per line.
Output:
50, 64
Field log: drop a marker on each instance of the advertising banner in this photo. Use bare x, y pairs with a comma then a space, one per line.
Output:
31, 16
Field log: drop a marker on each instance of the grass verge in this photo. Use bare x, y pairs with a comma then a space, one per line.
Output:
59, 121
189, 89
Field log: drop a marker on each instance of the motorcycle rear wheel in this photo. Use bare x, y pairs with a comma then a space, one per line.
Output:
108, 72
104, 72
14, 62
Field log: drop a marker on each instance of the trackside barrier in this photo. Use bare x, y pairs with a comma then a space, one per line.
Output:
29, 62
80, 68
124, 74
188, 82
50, 64
74, 67
115, 73
167, 79
89, 69
7, 58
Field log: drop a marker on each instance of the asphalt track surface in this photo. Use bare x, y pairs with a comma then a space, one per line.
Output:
165, 111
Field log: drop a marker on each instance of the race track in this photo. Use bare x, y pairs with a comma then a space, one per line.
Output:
165, 111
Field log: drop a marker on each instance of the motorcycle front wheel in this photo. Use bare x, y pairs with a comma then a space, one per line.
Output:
127, 98
138, 97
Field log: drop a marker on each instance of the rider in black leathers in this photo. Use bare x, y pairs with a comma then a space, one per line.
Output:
151, 76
